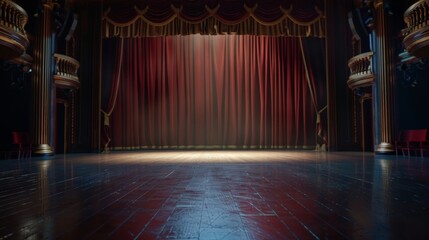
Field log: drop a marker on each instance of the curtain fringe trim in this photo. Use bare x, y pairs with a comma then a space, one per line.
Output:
141, 27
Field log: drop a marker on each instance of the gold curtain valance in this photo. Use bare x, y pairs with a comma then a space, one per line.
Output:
184, 19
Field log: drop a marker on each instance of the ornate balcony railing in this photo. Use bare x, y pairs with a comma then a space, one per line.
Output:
13, 38
416, 33
66, 72
361, 74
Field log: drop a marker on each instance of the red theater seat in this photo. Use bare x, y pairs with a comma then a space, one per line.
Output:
22, 144
415, 140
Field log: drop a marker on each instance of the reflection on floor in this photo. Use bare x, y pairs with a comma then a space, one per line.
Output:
215, 195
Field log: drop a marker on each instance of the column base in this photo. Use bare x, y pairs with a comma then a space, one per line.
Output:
43, 150
385, 148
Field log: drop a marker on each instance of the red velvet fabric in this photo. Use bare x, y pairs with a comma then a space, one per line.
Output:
212, 91
230, 11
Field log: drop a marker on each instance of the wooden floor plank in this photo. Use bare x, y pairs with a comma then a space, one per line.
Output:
215, 195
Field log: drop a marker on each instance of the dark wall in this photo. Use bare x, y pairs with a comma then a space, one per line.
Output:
14, 101
88, 48
340, 50
413, 96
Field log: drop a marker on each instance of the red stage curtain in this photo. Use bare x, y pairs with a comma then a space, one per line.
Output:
232, 11
112, 68
314, 57
212, 91
140, 18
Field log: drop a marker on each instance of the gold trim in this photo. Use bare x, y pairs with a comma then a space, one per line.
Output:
417, 42
43, 149
13, 45
297, 22
20, 20
251, 11
144, 11
66, 71
362, 56
16, 6
312, 92
307, 75
67, 58
15, 41
140, 26
363, 80
66, 82
413, 8
126, 24
212, 12
385, 148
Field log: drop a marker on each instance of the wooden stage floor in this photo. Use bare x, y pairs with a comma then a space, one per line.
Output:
215, 195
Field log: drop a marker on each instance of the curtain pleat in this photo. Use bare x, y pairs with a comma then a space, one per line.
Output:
113, 52
212, 92
314, 58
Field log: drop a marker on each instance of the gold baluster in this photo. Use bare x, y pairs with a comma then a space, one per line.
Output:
357, 66
62, 67
425, 17
420, 16
10, 17
7, 16
68, 67
15, 21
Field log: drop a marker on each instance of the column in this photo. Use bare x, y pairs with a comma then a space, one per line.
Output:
384, 84
43, 89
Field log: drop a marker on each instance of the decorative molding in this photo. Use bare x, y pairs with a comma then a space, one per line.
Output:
207, 19
361, 74
416, 33
13, 38
66, 69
